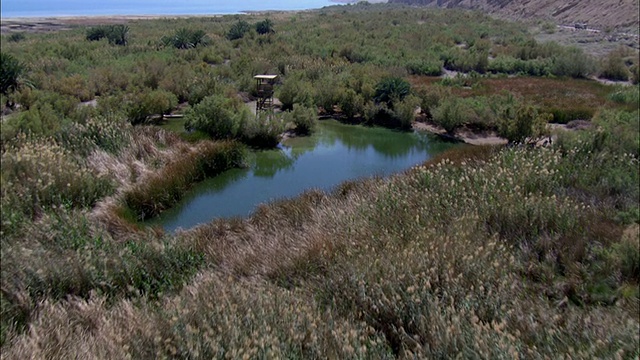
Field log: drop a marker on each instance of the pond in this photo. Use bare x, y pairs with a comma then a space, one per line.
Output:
333, 154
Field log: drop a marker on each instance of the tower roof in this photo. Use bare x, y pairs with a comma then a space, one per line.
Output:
266, 77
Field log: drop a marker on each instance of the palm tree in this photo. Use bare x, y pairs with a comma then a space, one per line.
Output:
10, 71
118, 34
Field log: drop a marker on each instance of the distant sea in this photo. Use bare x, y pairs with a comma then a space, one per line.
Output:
50, 8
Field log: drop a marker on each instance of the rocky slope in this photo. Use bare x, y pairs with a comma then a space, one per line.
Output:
616, 15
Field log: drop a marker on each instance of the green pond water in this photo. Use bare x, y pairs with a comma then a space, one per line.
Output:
333, 154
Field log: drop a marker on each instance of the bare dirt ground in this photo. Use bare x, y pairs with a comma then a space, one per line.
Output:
47, 24
463, 134
594, 42
602, 26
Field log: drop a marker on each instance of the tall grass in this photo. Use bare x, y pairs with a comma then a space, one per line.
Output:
167, 187
497, 254
509, 252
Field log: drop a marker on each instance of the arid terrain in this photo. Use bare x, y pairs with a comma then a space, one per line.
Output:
613, 15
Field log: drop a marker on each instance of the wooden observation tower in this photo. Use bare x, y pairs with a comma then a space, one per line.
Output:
265, 92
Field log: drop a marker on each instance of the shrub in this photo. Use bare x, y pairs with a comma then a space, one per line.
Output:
108, 134
261, 131
238, 30
295, 91
17, 37
351, 103
573, 62
628, 95
303, 117
523, 122
614, 68
620, 131
429, 67
43, 174
404, 111
450, 114
431, 97
218, 116
156, 102
635, 74
627, 255
567, 114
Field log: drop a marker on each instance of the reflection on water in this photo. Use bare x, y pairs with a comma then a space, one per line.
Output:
335, 153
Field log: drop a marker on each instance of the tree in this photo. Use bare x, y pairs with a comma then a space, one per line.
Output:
238, 30
186, 39
10, 71
116, 34
391, 89
264, 27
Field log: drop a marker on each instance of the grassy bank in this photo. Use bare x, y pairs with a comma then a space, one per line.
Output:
166, 187
496, 253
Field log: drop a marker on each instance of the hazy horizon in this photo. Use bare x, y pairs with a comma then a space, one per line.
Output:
45, 8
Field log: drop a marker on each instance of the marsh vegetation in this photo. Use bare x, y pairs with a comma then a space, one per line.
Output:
482, 252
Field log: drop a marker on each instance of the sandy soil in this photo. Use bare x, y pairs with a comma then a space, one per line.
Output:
463, 134
47, 24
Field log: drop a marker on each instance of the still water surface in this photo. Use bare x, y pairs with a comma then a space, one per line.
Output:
334, 154
42, 8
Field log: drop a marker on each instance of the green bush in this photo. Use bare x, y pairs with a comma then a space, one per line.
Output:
565, 115
573, 62
504, 64
431, 97
404, 111
635, 74
621, 129
429, 67
628, 95
17, 37
480, 112
351, 103
614, 68
295, 91
143, 106
217, 115
522, 122
262, 131
97, 33
304, 118
450, 114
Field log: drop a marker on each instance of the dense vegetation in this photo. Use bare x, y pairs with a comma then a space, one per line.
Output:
485, 252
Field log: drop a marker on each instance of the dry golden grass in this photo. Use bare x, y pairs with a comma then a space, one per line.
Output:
479, 253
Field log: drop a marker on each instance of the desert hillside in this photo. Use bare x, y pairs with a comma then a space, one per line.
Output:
620, 15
